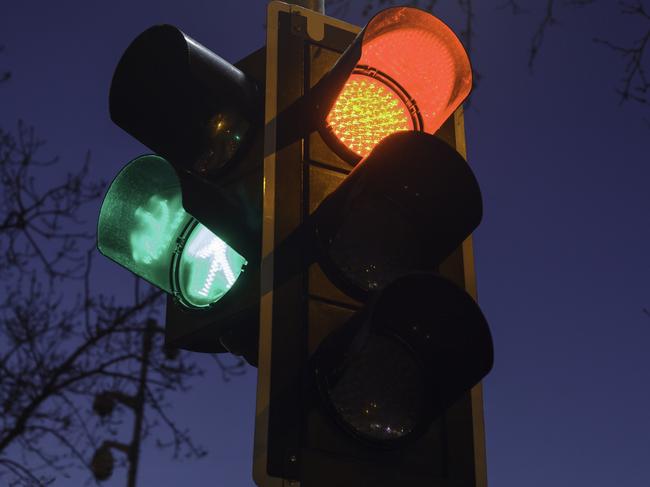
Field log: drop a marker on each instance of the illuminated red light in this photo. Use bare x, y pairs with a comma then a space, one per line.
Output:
365, 112
416, 74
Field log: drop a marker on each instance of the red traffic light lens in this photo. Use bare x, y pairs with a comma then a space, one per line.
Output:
367, 110
411, 73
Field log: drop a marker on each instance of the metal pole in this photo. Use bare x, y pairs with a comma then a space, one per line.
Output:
139, 405
317, 5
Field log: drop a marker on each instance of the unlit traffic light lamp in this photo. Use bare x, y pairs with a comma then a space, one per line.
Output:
184, 102
396, 366
404, 208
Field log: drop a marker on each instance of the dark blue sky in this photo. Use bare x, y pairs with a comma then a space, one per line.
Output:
562, 255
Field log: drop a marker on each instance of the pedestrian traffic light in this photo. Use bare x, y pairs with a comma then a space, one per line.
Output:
372, 347
187, 219
143, 227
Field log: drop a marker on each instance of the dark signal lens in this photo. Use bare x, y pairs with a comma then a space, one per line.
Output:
379, 394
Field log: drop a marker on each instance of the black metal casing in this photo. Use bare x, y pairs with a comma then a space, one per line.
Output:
296, 435
170, 92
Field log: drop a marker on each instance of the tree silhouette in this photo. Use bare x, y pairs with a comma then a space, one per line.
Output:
77, 367
634, 82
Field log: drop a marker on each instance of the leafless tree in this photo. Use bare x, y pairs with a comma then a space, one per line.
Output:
76, 366
634, 83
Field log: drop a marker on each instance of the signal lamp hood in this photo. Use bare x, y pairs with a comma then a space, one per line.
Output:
183, 101
404, 208
439, 344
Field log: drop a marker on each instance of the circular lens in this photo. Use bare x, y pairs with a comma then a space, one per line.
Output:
374, 244
366, 111
379, 393
208, 268
225, 133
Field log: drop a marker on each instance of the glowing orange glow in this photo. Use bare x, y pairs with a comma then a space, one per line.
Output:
423, 64
365, 112
424, 56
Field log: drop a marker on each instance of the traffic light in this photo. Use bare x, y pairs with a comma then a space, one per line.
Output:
372, 347
311, 209
188, 218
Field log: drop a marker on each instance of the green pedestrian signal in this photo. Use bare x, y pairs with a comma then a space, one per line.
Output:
187, 219
144, 227
208, 268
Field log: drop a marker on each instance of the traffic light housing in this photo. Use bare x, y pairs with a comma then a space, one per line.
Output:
366, 254
336, 227
188, 219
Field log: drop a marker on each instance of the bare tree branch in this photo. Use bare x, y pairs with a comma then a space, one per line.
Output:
536, 42
4, 75
58, 352
635, 83
230, 370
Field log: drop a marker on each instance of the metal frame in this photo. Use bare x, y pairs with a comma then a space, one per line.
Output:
462, 467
